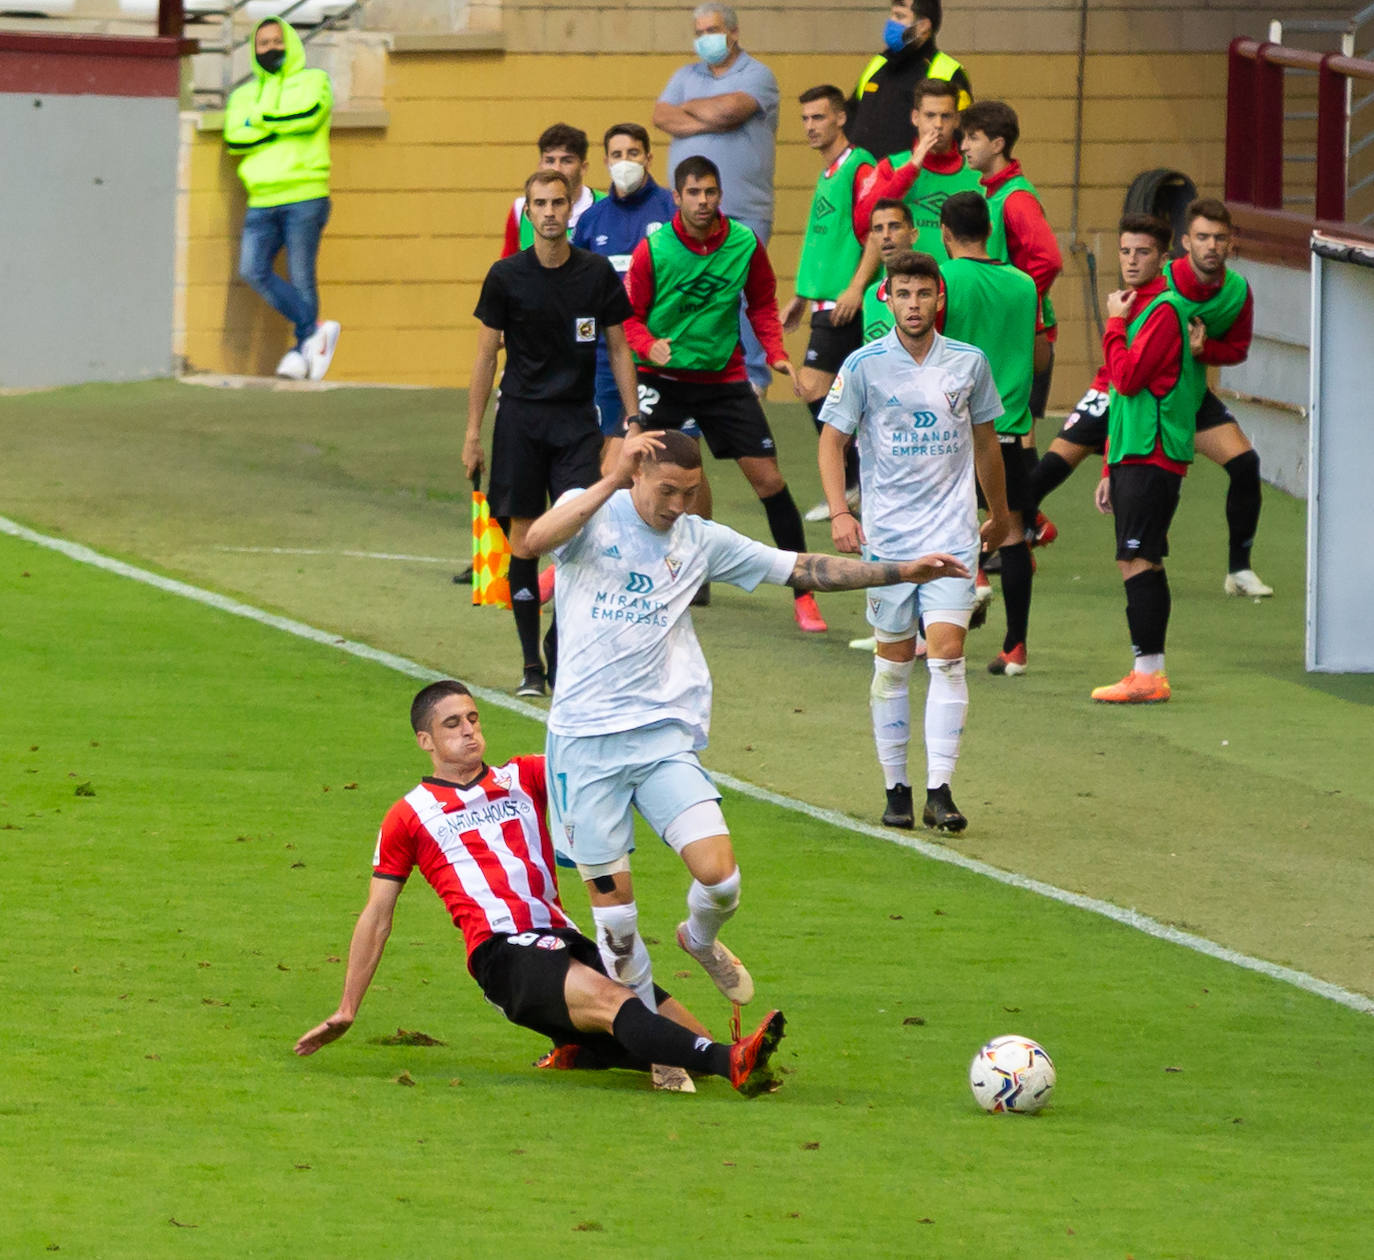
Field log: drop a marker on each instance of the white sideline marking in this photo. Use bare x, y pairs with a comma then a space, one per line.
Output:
1128, 918
355, 555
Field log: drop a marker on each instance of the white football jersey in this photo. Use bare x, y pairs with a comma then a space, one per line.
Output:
627, 654
914, 423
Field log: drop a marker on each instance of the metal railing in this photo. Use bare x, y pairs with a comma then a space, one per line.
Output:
1255, 159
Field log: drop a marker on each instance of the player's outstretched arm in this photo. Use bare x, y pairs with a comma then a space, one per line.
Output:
364, 953
562, 521
839, 573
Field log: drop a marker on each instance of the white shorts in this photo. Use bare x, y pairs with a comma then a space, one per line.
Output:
594, 780
895, 610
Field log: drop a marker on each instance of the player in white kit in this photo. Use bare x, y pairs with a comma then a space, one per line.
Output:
633, 702
923, 408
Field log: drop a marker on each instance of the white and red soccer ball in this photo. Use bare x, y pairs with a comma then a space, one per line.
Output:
1011, 1074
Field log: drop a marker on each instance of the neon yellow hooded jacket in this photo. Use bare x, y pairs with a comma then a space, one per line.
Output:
279, 125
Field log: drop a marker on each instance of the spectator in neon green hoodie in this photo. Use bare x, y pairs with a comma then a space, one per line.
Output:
278, 124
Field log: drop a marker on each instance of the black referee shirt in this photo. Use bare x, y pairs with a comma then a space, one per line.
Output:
551, 318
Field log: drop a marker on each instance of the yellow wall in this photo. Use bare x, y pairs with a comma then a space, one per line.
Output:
419, 206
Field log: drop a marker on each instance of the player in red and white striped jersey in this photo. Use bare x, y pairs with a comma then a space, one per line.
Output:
480, 838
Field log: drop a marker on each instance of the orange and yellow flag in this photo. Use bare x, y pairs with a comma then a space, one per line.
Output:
490, 554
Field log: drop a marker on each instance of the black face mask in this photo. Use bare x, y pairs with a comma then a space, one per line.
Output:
272, 59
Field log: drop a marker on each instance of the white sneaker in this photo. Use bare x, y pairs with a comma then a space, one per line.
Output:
319, 348
821, 512
864, 645
1246, 582
672, 1080
726, 971
293, 366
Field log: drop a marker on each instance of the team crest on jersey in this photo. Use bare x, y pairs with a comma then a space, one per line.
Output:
568, 831
674, 567
584, 328
503, 778
955, 398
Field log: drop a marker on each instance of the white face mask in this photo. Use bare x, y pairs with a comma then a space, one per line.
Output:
626, 176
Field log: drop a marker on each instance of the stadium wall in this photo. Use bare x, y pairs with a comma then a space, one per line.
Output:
86, 208
419, 205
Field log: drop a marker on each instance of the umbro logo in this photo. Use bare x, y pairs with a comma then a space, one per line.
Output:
823, 208
601, 240
613, 551
703, 288
523, 593
932, 202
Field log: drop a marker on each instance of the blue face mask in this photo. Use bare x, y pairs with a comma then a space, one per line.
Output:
712, 49
894, 35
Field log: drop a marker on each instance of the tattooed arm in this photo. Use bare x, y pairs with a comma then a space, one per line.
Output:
839, 573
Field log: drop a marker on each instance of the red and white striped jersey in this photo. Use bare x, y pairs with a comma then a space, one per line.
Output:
485, 849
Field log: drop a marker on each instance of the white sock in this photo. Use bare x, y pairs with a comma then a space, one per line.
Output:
1152, 664
709, 908
623, 952
889, 703
946, 707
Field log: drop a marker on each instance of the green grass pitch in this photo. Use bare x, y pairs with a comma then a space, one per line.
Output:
188, 805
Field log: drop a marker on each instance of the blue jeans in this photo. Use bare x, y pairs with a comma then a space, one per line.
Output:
755, 360
298, 226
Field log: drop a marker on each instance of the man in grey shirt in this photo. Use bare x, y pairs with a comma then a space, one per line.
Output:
725, 107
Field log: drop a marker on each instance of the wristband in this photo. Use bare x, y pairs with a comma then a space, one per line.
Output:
634, 419
844, 513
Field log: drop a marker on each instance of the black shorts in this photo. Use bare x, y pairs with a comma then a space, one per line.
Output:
1144, 499
1086, 424
1040, 388
728, 416
524, 976
1014, 473
1212, 413
539, 451
830, 345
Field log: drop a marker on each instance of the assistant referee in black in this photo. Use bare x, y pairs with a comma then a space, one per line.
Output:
550, 302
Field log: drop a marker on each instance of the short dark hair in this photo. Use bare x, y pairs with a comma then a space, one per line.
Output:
1206, 208
915, 264
935, 87
1147, 225
931, 10
545, 176
966, 216
698, 167
633, 130
996, 120
564, 136
893, 203
427, 700
678, 449
825, 92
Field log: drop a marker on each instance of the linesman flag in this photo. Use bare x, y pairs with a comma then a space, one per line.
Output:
490, 553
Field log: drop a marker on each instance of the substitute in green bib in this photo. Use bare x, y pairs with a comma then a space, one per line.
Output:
1020, 232
891, 227
564, 149
836, 227
992, 305
1222, 316
1156, 387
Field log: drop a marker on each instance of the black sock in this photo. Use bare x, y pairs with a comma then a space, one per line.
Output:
1242, 508
1050, 472
551, 651
814, 408
1030, 457
654, 1038
1017, 574
524, 601
1147, 611
785, 522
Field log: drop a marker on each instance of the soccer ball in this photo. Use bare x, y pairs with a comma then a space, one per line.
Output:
1011, 1074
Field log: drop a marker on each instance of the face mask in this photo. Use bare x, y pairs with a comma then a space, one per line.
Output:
894, 35
712, 49
626, 176
272, 59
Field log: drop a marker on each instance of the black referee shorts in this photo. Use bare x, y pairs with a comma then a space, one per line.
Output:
540, 450
1144, 500
1086, 424
831, 344
728, 415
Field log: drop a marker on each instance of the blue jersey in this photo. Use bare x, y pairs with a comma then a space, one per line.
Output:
616, 224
